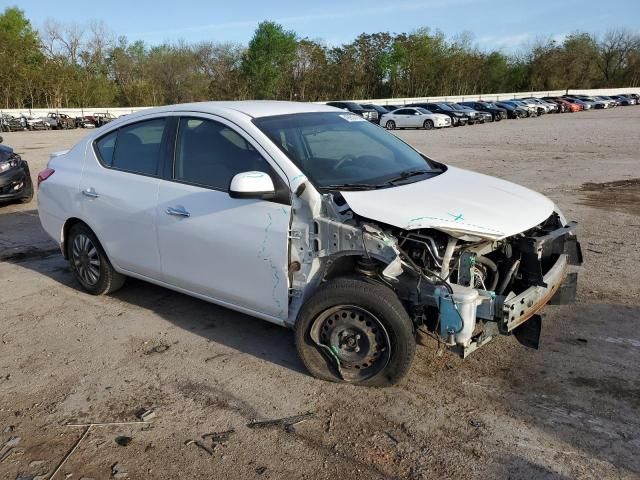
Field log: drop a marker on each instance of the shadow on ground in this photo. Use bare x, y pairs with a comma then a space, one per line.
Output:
235, 330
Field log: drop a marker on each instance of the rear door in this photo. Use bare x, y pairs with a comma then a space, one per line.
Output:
402, 117
231, 250
119, 191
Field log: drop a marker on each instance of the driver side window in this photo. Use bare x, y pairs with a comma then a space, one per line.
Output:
209, 154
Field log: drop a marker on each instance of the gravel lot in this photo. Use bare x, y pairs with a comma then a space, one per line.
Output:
568, 410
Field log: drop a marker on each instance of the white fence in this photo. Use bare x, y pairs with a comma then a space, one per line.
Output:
118, 111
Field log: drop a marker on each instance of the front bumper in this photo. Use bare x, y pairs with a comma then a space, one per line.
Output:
517, 313
15, 183
560, 244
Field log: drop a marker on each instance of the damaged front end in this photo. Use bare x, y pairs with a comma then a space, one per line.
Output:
464, 287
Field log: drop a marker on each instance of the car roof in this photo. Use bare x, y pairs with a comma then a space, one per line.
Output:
251, 108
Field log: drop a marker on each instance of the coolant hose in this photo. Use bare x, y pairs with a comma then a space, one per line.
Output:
493, 267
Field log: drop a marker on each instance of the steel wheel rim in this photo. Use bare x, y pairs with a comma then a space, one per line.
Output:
356, 338
86, 259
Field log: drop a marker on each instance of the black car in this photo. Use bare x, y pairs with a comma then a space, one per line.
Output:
513, 111
381, 109
458, 118
497, 112
474, 115
15, 179
353, 107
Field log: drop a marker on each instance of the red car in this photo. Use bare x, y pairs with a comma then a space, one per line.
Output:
570, 107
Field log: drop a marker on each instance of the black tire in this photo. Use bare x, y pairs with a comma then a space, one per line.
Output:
390, 125
388, 366
108, 280
428, 125
28, 188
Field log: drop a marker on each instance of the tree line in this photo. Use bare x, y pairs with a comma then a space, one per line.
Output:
68, 65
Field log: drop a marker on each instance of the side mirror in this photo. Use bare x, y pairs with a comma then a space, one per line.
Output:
252, 184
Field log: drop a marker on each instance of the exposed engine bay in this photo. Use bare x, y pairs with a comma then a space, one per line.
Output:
463, 288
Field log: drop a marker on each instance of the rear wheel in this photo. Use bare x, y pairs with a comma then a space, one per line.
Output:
390, 125
356, 331
428, 124
89, 262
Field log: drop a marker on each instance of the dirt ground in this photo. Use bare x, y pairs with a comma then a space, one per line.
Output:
569, 410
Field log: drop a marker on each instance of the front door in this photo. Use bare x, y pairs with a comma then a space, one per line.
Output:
232, 250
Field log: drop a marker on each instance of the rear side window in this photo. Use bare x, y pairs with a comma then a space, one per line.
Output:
138, 147
209, 154
105, 146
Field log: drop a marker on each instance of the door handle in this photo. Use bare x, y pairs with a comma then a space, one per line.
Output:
90, 192
178, 212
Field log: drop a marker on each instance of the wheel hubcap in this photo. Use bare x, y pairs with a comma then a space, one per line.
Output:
85, 259
356, 338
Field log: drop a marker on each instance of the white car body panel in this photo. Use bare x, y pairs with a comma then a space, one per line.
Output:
457, 201
231, 249
124, 213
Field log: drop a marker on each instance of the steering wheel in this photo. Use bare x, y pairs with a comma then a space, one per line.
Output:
349, 157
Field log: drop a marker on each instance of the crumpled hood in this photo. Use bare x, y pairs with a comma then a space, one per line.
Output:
458, 202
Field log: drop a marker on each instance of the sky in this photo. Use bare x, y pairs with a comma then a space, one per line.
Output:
494, 24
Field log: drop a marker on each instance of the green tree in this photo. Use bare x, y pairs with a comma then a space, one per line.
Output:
20, 58
268, 60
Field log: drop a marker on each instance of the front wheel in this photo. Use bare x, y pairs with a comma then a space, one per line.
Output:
356, 331
428, 124
89, 262
390, 125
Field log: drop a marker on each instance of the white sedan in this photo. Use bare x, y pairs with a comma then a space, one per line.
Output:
414, 117
312, 218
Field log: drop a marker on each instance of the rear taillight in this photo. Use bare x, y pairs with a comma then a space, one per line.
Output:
44, 174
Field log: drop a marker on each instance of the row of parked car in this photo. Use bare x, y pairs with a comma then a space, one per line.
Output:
53, 121
430, 115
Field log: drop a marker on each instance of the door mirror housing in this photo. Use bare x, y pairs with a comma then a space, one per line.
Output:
253, 184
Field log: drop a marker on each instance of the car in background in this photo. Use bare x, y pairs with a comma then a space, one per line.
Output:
391, 108
532, 109
596, 104
624, 100
22, 122
553, 107
584, 105
85, 122
458, 118
414, 117
564, 104
100, 119
378, 108
611, 102
498, 113
60, 121
514, 111
521, 110
474, 115
353, 107
634, 96
15, 178
540, 109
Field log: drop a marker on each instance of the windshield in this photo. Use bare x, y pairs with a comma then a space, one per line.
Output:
423, 110
335, 149
444, 106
